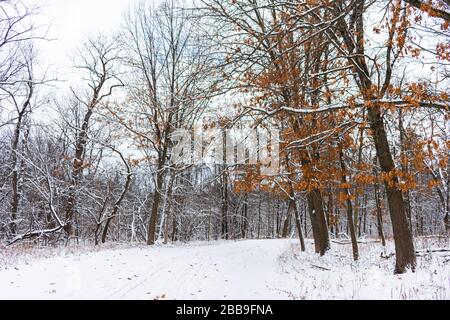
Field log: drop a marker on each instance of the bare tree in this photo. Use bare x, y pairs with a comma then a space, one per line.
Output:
17, 86
22, 108
168, 60
98, 61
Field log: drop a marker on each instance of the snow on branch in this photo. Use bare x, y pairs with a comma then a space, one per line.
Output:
444, 105
431, 9
33, 234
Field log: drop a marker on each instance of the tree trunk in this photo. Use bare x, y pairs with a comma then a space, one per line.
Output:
318, 221
151, 231
224, 206
99, 220
404, 167
169, 217
117, 204
447, 204
14, 160
293, 205
348, 202
258, 234
174, 228
379, 216
77, 168
287, 222
404, 246
330, 209
244, 224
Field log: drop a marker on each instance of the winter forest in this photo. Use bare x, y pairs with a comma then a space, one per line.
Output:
346, 101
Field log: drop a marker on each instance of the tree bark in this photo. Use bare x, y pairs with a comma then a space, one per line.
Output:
293, 205
355, 42
151, 231
224, 185
404, 167
287, 222
379, 214
404, 246
244, 224
118, 203
14, 159
348, 203
318, 221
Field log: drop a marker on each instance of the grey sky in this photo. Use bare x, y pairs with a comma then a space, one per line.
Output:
71, 22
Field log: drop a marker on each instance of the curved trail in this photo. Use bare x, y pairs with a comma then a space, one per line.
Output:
241, 270
222, 270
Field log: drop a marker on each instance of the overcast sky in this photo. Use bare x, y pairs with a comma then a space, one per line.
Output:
71, 22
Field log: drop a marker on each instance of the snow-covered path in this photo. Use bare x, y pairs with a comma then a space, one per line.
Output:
225, 270
252, 269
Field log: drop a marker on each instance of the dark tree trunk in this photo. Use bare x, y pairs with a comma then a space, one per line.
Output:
305, 222
404, 167
365, 214
169, 209
404, 246
287, 222
330, 209
174, 228
14, 158
378, 209
224, 206
258, 233
99, 220
348, 203
278, 220
77, 169
318, 221
151, 231
117, 205
355, 42
224, 186
244, 224
293, 205
447, 205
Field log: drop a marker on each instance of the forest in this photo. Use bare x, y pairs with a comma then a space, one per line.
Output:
347, 99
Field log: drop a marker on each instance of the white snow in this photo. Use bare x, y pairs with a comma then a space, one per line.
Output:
253, 269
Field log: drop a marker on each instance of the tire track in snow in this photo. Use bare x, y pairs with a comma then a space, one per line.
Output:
188, 280
128, 288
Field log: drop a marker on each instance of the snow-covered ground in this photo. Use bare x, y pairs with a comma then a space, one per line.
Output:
254, 269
